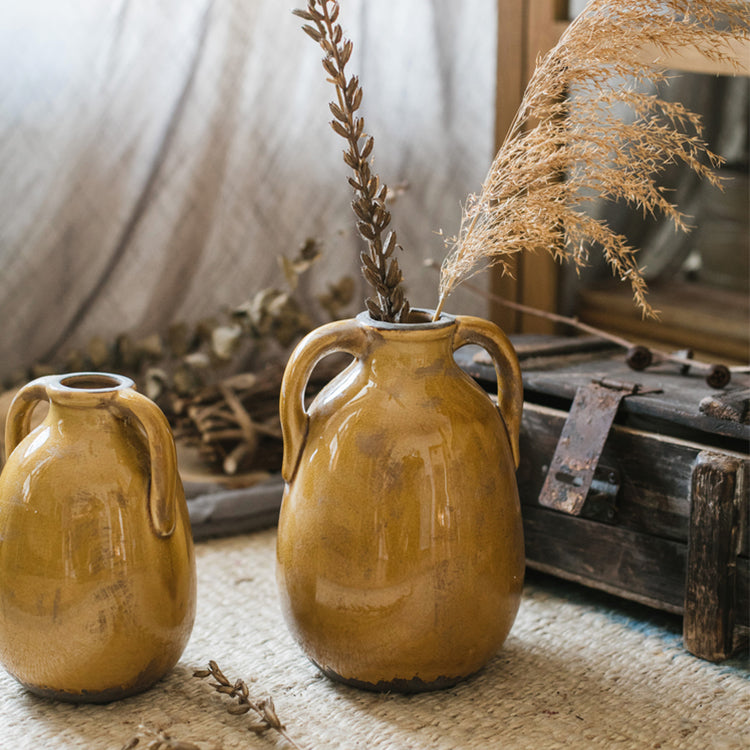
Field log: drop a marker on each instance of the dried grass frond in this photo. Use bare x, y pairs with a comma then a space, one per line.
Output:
555, 157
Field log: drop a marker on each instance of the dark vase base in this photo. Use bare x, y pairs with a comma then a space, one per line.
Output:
86, 696
399, 685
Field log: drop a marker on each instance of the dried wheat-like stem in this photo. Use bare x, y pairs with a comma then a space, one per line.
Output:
555, 157
379, 267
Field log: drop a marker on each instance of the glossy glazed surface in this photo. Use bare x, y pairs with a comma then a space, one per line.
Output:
400, 548
97, 570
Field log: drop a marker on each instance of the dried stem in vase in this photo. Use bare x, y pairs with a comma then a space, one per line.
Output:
379, 266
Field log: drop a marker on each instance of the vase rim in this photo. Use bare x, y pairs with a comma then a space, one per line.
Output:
444, 321
89, 382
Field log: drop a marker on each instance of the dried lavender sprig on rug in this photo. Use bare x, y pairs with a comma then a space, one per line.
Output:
555, 156
264, 707
379, 267
157, 739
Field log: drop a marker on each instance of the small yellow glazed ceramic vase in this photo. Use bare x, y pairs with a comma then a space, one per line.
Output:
97, 570
400, 554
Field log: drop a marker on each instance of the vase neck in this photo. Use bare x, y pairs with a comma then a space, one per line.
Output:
84, 398
407, 348
422, 334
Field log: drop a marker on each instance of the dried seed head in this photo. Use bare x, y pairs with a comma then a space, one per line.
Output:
240, 708
638, 357
718, 376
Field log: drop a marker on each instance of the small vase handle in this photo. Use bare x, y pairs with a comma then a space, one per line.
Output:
471, 330
162, 500
346, 336
18, 421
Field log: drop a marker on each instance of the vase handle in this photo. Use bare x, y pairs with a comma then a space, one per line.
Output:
472, 330
18, 421
162, 500
346, 336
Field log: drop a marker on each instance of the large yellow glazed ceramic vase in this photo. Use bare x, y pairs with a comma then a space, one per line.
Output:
97, 570
400, 553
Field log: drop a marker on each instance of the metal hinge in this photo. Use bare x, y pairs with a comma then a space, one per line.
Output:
571, 472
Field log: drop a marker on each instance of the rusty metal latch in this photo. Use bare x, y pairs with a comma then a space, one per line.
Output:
571, 472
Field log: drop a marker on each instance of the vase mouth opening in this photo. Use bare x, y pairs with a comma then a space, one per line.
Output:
94, 381
419, 319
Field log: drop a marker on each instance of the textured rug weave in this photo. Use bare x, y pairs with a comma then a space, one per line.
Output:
579, 670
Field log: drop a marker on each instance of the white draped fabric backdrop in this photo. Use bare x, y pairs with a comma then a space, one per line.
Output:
157, 156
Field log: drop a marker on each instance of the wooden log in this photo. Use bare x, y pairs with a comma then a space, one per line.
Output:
713, 547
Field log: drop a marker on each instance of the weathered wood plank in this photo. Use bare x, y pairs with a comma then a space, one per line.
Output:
675, 410
713, 545
654, 472
733, 406
638, 567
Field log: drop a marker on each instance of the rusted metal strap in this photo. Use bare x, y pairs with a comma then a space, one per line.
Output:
581, 442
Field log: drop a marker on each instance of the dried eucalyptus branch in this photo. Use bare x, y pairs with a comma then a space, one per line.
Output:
264, 707
379, 267
556, 156
188, 357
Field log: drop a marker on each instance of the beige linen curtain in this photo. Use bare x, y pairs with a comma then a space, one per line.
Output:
157, 156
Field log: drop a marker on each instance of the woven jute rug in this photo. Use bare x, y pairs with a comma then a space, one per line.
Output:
579, 670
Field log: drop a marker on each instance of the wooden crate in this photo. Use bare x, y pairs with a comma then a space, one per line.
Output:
665, 519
